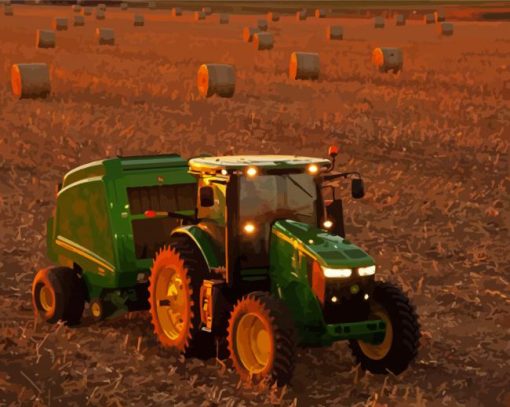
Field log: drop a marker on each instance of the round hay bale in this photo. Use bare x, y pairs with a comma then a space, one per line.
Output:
445, 29
199, 15
248, 33
262, 25
304, 65
105, 36
439, 16
86, 11
320, 13
400, 19
45, 39
30, 80
79, 21
216, 79
100, 14
429, 19
138, 20
124, 6
152, 5
378, 22
207, 11
76, 8
388, 59
301, 15
8, 11
272, 16
334, 32
60, 24
176, 12
224, 18
263, 40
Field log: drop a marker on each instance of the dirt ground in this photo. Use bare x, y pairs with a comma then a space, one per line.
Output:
431, 142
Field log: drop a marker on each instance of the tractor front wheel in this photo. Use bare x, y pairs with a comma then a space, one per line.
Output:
399, 346
58, 293
174, 297
261, 339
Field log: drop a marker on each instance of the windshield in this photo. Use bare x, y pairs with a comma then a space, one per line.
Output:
266, 198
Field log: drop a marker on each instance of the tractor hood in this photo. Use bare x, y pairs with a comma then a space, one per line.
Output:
328, 250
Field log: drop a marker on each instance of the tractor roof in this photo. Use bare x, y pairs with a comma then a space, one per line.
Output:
237, 162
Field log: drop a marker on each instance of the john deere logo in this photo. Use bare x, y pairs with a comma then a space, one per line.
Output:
160, 179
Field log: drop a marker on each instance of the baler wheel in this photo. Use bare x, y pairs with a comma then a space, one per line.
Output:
58, 293
261, 339
174, 295
101, 309
400, 344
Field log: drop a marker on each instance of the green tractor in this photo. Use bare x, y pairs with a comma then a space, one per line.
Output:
243, 252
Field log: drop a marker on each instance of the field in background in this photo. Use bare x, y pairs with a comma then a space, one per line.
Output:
414, 9
432, 144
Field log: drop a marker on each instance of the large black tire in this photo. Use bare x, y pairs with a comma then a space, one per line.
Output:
401, 342
272, 355
58, 293
184, 256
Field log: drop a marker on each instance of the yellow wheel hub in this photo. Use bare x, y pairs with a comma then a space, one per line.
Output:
46, 298
380, 350
171, 303
253, 343
95, 309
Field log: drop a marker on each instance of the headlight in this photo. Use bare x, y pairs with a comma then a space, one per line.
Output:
336, 273
366, 271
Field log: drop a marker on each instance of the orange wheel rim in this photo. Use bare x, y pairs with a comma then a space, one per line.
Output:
253, 343
171, 303
95, 309
379, 350
46, 298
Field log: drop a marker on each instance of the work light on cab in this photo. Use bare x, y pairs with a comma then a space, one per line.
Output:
251, 171
249, 228
313, 169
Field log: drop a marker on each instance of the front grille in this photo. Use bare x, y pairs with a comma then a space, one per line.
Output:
353, 309
348, 307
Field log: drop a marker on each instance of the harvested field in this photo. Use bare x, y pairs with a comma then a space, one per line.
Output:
432, 143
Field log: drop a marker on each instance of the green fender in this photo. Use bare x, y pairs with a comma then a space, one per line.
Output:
203, 242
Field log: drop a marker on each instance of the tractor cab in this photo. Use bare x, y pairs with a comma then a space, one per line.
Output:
241, 198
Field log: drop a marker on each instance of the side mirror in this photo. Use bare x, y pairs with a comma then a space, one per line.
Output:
357, 188
206, 197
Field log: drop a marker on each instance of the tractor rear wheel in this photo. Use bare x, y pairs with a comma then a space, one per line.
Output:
400, 344
174, 297
261, 339
58, 293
